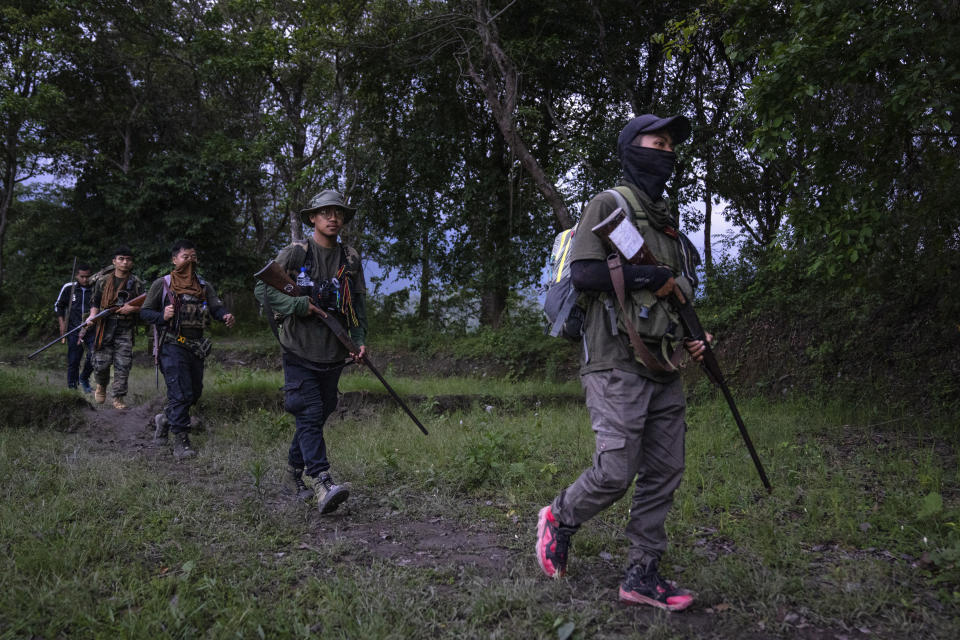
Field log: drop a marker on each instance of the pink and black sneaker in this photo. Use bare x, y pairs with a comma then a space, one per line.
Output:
553, 542
643, 585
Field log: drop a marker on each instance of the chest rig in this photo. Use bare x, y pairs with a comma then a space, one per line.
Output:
189, 312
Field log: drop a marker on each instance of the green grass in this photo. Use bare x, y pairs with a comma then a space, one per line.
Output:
860, 531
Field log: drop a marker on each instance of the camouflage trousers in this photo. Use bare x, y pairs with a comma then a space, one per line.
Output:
119, 353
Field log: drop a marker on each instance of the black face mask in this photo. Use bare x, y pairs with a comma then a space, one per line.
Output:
648, 168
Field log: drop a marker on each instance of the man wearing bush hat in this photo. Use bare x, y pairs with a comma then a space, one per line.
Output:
313, 357
635, 400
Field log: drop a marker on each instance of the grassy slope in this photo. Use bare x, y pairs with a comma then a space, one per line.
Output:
106, 541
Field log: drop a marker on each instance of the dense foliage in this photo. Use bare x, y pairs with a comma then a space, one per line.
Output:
467, 131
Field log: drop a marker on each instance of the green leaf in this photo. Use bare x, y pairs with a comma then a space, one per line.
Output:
565, 631
932, 505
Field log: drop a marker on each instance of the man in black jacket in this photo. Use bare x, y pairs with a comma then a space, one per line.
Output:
72, 307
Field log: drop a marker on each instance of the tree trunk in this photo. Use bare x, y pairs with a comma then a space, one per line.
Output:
501, 70
423, 309
708, 222
493, 302
9, 180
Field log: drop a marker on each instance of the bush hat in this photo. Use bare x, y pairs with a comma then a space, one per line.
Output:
327, 198
678, 126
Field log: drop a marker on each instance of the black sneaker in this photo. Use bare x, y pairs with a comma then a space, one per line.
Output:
553, 543
162, 428
181, 447
85, 386
644, 585
295, 477
329, 494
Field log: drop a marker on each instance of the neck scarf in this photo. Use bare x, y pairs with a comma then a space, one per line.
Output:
184, 280
659, 214
111, 288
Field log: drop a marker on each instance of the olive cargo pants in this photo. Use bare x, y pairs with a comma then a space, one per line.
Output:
640, 430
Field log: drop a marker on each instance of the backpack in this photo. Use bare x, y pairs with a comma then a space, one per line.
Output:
561, 306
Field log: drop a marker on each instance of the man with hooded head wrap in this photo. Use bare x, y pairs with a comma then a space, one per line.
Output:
636, 410
176, 304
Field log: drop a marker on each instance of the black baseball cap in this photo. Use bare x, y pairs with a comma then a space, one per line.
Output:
678, 126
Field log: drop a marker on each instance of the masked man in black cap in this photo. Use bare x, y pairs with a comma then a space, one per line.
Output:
313, 357
636, 410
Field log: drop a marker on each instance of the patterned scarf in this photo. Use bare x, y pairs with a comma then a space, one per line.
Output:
111, 289
183, 280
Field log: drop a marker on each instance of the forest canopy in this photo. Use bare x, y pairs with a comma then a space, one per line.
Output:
467, 132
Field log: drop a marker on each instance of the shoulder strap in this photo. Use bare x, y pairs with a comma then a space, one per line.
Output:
627, 201
307, 257
167, 293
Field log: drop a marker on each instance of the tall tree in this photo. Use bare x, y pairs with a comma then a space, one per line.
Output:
28, 100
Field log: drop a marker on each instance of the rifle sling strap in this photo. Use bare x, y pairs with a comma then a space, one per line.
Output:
640, 350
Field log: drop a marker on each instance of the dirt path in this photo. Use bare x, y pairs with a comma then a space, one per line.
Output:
436, 542
370, 531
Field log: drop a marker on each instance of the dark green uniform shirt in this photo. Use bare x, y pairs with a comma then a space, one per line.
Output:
602, 349
190, 322
302, 334
133, 286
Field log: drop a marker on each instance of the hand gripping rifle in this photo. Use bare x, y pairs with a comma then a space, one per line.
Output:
273, 275
136, 302
628, 241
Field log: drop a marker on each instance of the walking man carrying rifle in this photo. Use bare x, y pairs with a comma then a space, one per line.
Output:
313, 356
630, 349
113, 343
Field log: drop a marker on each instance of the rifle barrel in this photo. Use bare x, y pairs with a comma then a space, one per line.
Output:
403, 405
691, 322
274, 276
138, 301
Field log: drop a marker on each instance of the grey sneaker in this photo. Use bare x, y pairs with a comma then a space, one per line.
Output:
163, 428
181, 447
295, 477
329, 494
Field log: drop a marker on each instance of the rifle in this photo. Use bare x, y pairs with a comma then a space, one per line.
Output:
628, 242
138, 301
274, 276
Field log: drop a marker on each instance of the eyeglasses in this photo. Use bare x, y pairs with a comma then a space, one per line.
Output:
327, 214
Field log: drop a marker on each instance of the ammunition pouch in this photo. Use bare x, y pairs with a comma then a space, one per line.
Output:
655, 320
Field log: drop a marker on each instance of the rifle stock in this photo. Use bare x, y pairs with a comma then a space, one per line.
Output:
274, 276
136, 302
633, 244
